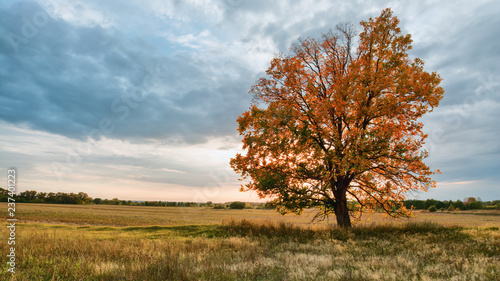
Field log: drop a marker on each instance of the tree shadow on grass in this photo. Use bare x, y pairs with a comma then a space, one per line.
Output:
290, 232
284, 231
207, 231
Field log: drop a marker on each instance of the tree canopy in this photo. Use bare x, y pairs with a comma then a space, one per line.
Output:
336, 121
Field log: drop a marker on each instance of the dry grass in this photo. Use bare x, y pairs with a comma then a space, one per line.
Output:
164, 244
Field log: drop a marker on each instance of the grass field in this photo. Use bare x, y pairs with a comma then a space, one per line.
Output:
89, 242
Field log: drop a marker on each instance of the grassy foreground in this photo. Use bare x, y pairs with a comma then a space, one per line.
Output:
61, 242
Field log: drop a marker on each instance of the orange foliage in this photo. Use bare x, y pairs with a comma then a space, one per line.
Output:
340, 124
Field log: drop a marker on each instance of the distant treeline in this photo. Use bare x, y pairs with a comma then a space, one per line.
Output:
469, 203
32, 196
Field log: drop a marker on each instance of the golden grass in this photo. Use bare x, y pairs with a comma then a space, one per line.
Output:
62, 242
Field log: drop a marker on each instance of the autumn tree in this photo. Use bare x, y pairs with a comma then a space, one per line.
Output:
336, 122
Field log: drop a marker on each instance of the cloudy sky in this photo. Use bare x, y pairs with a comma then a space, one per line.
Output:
139, 99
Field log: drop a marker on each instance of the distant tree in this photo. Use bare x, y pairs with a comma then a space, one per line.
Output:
414, 204
459, 204
469, 200
339, 120
75, 199
440, 205
28, 195
237, 205
4, 195
451, 208
41, 195
152, 203
431, 202
62, 198
219, 206
474, 205
84, 197
98, 201
432, 209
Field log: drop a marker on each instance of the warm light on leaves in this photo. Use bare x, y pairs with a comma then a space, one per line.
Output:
340, 124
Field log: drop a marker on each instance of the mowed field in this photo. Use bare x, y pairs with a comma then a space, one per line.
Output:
96, 242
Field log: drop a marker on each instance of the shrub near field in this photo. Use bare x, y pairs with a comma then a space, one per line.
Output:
236, 248
237, 205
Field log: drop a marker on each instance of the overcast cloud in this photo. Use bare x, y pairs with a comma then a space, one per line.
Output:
139, 99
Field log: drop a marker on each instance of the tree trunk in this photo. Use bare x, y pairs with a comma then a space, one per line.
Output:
341, 210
